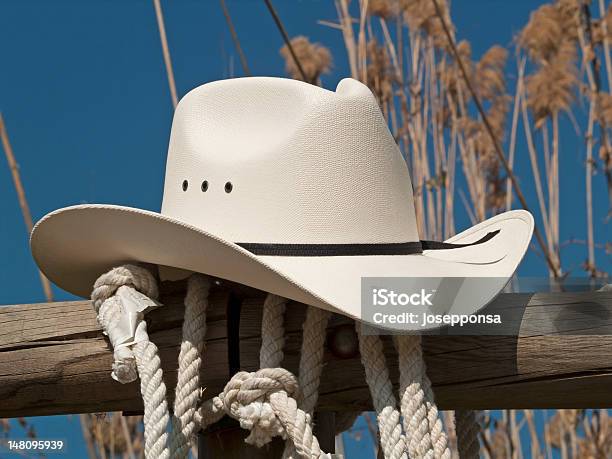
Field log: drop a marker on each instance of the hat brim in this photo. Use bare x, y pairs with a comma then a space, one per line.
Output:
75, 245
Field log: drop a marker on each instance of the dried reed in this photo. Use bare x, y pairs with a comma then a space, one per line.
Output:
234, 34
21, 198
166, 51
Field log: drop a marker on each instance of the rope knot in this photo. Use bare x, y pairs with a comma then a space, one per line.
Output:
247, 397
120, 298
133, 276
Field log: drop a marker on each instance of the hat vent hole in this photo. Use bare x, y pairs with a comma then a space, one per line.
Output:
185, 185
205, 185
229, 187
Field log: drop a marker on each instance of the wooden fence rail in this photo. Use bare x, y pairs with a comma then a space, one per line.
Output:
54, 358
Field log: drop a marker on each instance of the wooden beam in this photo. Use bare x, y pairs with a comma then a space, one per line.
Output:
54, 358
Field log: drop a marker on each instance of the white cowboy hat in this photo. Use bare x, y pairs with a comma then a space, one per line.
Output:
283, 186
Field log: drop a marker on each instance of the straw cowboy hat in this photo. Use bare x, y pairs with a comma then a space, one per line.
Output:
286, 187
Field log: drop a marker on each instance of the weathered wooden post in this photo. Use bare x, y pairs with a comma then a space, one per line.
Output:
54, 358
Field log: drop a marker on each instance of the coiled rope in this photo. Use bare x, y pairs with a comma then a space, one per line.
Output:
269, 402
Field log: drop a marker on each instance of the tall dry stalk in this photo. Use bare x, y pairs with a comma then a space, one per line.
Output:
283, 32
588, 43
21, 197
234, 34
550, 41
112, 435
592, 34
428, 100
490, 129
166, 51
514, 128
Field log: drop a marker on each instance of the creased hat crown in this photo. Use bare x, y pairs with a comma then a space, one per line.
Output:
287, 162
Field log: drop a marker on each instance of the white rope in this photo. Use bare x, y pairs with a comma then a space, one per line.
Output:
187, 394
439, 439
272, 332
412, 398
392, 439
467, 426
265, 401
140, 358
311, 356
311, 365
153, 392
109, 311
426, 437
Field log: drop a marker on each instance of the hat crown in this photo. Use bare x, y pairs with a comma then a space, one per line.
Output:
287, 162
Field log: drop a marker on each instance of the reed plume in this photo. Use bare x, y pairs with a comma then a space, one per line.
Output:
450, 73
543, 33
314, 58
385, 9
550, 89
561, 427
568, 12
488, 189
490, 78
420, 15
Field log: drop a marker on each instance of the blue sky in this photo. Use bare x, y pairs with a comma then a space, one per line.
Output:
85, 99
